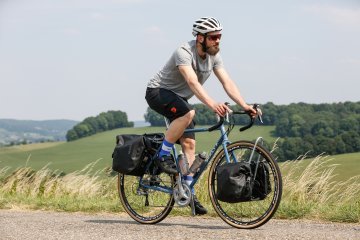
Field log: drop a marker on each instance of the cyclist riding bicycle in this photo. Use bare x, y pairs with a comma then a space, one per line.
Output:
181, 78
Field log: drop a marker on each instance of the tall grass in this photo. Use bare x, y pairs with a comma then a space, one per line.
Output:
309, 192
84, 190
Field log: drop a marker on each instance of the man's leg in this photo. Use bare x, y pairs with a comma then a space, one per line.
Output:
188, 147
172, 134
178, 126
179, 112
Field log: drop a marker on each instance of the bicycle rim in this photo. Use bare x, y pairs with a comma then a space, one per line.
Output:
251, 214
145, 205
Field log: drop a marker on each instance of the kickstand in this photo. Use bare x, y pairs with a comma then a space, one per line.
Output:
146, 200
192, 205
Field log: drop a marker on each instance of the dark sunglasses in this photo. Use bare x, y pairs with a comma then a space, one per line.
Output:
214, 37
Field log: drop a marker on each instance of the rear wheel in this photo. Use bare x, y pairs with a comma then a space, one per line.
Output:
250, 214
142, 204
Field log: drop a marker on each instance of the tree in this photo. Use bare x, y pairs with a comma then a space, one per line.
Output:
154, 118
71, 135
103, 122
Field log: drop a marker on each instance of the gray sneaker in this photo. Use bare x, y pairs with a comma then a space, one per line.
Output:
166, 164
199, 209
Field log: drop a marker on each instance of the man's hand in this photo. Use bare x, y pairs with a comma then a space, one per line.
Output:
221, 109
250, 109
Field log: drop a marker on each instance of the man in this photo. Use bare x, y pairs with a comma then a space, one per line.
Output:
181, 78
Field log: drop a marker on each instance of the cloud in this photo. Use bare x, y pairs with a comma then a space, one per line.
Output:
341, 16
351, 61
71, 31
155, 36
97, 16
153, 30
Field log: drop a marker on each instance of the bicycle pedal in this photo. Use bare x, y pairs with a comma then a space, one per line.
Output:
155, 180
141, 191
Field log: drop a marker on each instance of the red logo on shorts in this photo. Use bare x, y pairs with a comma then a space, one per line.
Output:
173, 110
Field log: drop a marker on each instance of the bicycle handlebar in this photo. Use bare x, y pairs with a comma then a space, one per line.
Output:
252, 119
217, 125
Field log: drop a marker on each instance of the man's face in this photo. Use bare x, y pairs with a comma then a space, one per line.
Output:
212, 41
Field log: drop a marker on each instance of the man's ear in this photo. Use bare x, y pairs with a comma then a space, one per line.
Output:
200, 38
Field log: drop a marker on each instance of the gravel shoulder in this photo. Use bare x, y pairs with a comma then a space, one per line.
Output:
21, 224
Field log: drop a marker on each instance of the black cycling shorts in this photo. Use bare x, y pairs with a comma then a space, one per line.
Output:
170, 105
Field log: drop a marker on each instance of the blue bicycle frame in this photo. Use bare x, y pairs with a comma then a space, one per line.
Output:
223, 140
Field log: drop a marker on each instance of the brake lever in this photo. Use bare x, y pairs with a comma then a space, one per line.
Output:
228, 112
259, 114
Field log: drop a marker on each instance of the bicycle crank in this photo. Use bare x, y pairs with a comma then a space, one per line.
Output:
182, 194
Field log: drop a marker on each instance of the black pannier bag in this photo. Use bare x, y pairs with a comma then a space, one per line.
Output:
233, 182
236, 183
261, 186
132, 152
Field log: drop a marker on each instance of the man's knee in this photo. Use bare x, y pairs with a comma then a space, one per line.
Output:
190, 115
188, 143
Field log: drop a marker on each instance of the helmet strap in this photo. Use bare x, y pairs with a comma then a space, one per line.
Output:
203, 44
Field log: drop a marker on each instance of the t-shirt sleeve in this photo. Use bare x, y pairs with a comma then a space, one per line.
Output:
218, 62
182, 57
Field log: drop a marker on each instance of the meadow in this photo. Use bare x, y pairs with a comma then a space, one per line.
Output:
76, 176
71, 156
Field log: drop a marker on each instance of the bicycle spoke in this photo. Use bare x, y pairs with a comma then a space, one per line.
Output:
252, 213
143, 204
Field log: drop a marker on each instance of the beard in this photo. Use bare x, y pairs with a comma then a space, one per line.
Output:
213, 50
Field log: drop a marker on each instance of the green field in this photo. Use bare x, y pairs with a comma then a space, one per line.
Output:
310, 189
72, 156
347, 165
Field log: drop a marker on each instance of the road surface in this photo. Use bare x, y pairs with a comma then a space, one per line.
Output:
38, 225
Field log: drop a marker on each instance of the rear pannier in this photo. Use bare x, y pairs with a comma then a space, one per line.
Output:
132, 152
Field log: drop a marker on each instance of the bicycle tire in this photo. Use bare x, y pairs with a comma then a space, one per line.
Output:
146, 210
251, 214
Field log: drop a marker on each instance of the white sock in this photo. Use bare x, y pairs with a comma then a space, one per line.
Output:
188, 181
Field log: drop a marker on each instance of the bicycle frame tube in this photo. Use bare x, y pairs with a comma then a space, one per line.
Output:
161, 189
223, 140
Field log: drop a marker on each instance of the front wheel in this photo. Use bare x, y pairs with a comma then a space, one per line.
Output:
255, 212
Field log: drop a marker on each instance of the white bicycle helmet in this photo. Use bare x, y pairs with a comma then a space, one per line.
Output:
205, 25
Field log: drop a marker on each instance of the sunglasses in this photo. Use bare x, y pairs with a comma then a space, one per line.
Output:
214, 37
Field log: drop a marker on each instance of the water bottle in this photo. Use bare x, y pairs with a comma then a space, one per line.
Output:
199, 159
183, 163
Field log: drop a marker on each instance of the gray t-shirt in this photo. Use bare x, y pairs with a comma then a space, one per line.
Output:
169, 77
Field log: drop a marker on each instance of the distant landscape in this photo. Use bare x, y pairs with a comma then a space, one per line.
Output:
14, 132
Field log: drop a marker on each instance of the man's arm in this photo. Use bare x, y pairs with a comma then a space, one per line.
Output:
192, 80
231, 89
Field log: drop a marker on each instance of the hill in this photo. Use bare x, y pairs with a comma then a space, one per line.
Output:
72, 156
17, 131
75, 155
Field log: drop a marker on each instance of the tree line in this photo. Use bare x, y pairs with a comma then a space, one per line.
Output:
103, 122
302, 128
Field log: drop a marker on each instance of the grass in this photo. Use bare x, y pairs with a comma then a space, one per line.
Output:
313, 192
71, 156
33, 177
309, 193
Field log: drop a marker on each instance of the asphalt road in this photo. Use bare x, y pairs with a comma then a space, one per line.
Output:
38, 225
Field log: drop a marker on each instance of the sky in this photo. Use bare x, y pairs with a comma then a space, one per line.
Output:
72, 59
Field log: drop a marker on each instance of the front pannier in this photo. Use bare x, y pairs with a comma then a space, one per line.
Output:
233, 182
261, 186
132, 152
237, 182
